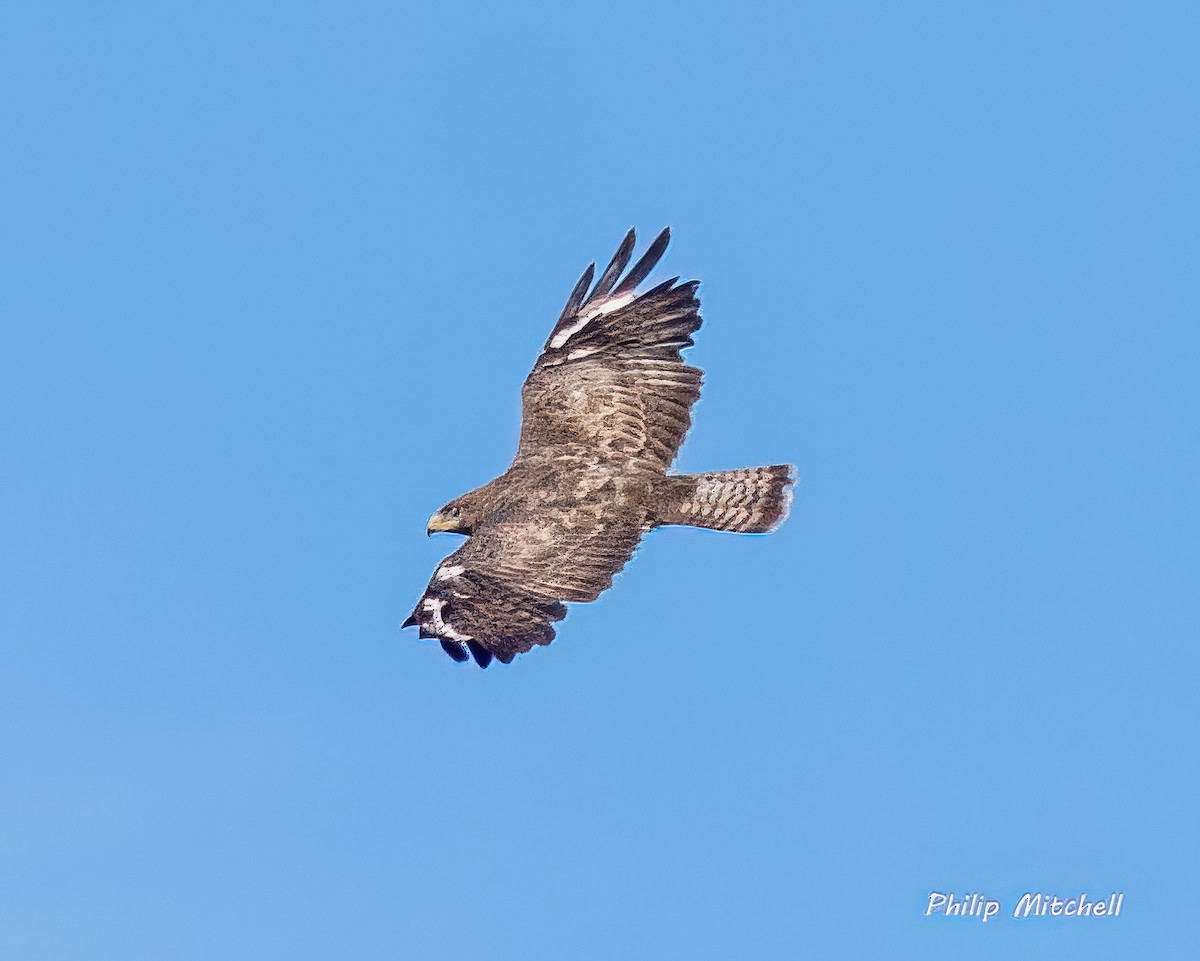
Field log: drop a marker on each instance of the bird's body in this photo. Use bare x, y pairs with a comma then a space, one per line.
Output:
604, 412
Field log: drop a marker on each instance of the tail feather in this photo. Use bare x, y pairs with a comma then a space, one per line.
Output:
750, 500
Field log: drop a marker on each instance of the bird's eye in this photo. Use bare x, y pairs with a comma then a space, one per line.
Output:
455, 512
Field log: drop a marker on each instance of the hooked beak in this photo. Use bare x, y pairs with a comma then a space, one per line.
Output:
440, 522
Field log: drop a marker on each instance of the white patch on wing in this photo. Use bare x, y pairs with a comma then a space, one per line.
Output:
568, 332
582, 352
609, 305
599, 310
442, 628
446, 571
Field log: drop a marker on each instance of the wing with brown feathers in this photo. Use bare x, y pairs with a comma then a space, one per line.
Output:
501, 592
610, 383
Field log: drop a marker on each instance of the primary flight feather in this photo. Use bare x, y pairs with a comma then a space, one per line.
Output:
604, 411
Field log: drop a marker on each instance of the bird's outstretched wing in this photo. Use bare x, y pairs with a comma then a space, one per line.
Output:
501, 592
610, 383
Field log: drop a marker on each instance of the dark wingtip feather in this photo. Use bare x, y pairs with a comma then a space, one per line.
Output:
648, 262
455, 650
483, 657
575, 301
619, 262
664, 286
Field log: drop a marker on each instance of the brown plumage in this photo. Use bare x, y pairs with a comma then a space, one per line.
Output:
604, 412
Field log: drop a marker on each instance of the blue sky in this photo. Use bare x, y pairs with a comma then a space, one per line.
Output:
271, 277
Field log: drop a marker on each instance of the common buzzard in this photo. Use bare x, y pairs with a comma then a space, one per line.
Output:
603, 414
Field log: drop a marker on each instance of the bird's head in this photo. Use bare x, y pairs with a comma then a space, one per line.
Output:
455, 518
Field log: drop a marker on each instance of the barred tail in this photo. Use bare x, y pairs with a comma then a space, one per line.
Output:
751, 500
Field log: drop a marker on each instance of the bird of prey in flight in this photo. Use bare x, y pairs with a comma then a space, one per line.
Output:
604, 411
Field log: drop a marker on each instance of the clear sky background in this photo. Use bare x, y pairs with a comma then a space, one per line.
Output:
271, 278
